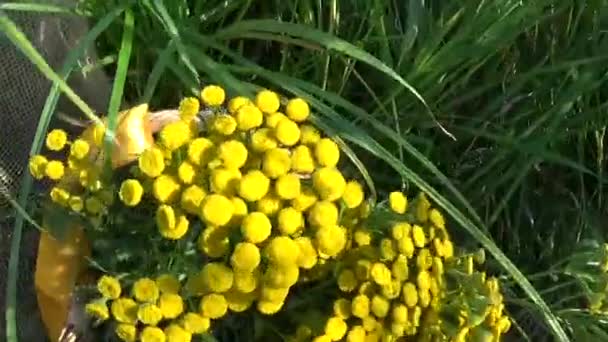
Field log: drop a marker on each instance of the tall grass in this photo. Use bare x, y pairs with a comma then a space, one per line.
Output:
496, 108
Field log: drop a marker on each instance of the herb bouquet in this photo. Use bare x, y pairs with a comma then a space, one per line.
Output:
239, 220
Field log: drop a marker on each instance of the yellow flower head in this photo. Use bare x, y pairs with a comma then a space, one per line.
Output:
191, 199
124, 310
356, 334
329, 183
175, 135
288, 186
130, 192
168, 283
400, 314
249, 117
272, 120
287, 132
302, 160
188, 108
54, 170
330, 240
342, 308
406, 246
256, 227
323, 214
151, 162
126, 332
399, 230
175, 333
263, 140
37, 166
214, 242
276, 162
268, 101
56, 140
327, 152
109, 287
282, 251
380, 306
436, 218
214, 306
310, 135
237, 102
244, 282
195, 323
308, 254
171, 305
217, 210
360, 306
178, 231
380, 274
165, 217
322, 338
200, 151
233, 154
347, 281
213, 95
400, 268
149, 314
305, 200
166, 188
152, 334
398, 202
353, 194
217, 277
93, 205
246, 257
240, 210
97, 309
424, 259
79, 149
290, 221
269, 308
281, 276
418, 236
76, 203
297, 110
362, 237
186, 173
269, 205
335, 328
224, 124
253, 186
410, 294
387, 249
274, 294
145, 290
225, 181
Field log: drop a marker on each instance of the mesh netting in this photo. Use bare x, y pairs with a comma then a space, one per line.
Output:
23, 92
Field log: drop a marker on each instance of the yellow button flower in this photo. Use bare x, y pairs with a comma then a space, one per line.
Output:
217, 277
166, 188
323, 213
436, 218
225, 181
269, 308
263, 140
246, 257
152, 334
387, 250
399, 230
330, 240
256, 227
274, 294
288, 186
308, 254
329, 183
131, 192
37, 166
186, 173
237, 102
335, 328
322, 338
276, 162
79, 149
224, 124
380, 274
200, 151
297, 110
253, 186
356, 334
418, 236
327, 152
400, 314
145, 290
217, 210
165, 217
269, 205
171, 305
290, 221
188, 108
175, 333
213, 95
342, 308
380, 306
168, 283
362, 237
398, 202
285, 276
149, 314
126, 332
54, 170
287, 132
268, 101
353, 194
302, 160
175, 135
410, 294
124, 310
214, 242
282, 251
76, 203
214, 306
240, 210
93, 205
195, 323
272, 120
309, 135
245, 283
98, 310
305, 200
249, 117
360, 306
347, 281
400, 268
109, 287
191, 199
151, 162
178, 231
56, 140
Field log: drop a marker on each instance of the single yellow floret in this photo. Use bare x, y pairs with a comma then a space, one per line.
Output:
254, 186
268, 101
356, 334
335, 328
380, 274
168, 283
126, 332
297, 110
109, 287
214, 306
217, 210
225, 181
281, 276
152, 334
360, 306
398, 202
256, 227
191, 199
309, 135
56, 140
152, 162
246, 257
276, 162
97, 309
330, 240
282, 251
288, 186
217, 277
342, 308
214, 242
418, 236
54, 170
323, 213
124, 310
149, 314
178, 231
353, 194
233, 154
145, 290
305, 200
195, 323
79, 149
188, 108
213, 95
131, 192
175, 135
272, 120
245, 283
37, 166
308, 254
263, 140
327, 152
347, 281
410, 294
302, 160
329, 183
237, 102
269, 308
287, 132
200, 151
269, 205
186, 172
166, 189
224, 124
175, 333
290, 221
380, 306
249, 117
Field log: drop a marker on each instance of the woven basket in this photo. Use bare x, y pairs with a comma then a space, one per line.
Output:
61, 265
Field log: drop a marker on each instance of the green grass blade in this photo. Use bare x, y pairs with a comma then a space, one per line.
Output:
39, 8
124, 56
158, 70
